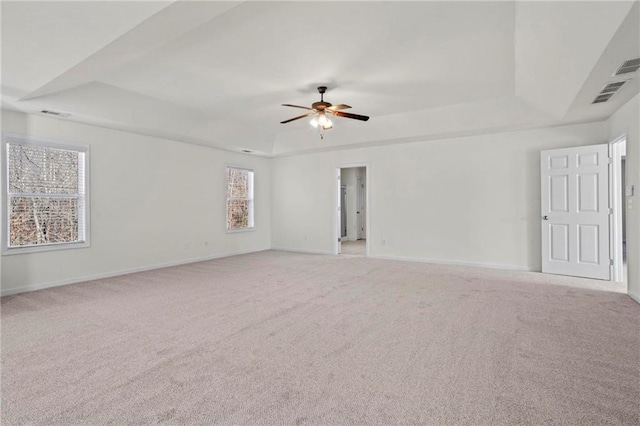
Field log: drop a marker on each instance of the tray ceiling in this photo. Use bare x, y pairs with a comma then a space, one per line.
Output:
215, 73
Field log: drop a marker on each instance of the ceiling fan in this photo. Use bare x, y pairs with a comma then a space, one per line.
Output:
321, 111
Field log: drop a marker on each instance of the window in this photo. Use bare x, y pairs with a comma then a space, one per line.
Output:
239, 199
46, 197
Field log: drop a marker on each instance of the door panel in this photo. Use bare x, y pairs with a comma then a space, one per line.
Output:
575, 211
559, 187
559, 242
588, 244
588, 193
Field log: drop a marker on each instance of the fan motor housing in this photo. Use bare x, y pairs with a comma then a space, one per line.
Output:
320, 105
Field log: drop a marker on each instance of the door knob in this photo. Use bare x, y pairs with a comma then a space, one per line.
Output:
545, 217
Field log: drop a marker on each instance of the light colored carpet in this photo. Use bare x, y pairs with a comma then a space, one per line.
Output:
283, 338
354, 248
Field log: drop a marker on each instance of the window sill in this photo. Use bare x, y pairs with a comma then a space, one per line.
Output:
238, 231
10, 251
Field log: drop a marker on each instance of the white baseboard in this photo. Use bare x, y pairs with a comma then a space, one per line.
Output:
75, 280
302, 250
634, 297
454, 262
419, 259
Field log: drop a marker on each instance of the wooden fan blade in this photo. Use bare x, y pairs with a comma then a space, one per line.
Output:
296, 118
338, 107
349, 115
298, 106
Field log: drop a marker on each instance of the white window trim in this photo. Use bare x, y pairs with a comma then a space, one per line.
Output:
226, 209
8, 138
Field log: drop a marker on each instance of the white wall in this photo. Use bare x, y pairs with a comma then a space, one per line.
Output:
469, 200
1, 225
472, 200
627, 121
153, 202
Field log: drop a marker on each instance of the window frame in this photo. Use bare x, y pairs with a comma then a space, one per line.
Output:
252, 200
8, 138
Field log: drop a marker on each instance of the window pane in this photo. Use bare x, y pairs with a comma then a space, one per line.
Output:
238, 214
42, 170
43, 220
239, 198
238, 183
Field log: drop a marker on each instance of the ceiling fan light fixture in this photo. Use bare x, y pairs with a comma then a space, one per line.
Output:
322, 119
320, 112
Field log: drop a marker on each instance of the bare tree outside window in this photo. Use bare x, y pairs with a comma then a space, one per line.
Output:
45, 195
239, 198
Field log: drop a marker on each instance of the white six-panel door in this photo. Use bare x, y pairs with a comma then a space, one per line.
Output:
575, 211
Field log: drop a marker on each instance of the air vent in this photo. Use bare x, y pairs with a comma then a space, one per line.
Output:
632, 65
612, 87
608, 91
55, 113
601, 98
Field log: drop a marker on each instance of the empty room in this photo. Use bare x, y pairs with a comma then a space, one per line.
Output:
322, 213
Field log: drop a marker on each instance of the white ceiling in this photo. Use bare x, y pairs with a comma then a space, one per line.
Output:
215, 73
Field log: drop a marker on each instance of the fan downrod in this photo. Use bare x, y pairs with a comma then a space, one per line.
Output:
322, 104
322, 90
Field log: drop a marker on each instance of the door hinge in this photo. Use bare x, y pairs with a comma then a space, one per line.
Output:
610, 210
610, 160
611, 262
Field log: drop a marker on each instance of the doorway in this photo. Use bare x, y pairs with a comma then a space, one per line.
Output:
352, 203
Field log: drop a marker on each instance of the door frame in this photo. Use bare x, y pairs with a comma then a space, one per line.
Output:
337, 184
361, 231
616, 203
343, 213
